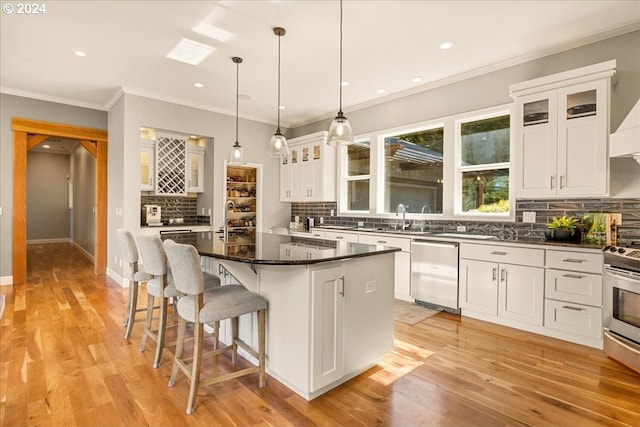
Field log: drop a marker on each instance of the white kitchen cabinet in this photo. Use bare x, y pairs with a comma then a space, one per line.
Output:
195, 169
147, 164
308, 174
327, 325
402, 273
573, 286
502, 281
562, 130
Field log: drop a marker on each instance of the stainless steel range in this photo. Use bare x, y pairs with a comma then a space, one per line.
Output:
621, 312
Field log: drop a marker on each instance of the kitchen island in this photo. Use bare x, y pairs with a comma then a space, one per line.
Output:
330, 313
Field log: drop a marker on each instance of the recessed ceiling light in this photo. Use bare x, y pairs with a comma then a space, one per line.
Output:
190, 52
446, 45
345, 83
198, 84
79, 53
416, 79
381, 91
46, 146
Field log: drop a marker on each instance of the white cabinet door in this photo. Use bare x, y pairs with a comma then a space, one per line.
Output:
147, 165
583, 163
536, 128
286, 180
521, 293
327, 313
479, 286
195, 169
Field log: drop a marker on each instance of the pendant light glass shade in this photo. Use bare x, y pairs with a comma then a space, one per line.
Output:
340, 132
278, 146
236, 156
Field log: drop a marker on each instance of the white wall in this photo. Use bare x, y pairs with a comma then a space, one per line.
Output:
83, 177
47, 196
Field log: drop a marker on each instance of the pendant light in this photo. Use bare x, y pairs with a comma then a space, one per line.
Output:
340, 132
237, 153
278, 144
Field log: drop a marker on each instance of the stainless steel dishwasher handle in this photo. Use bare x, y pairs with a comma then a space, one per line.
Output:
432, 243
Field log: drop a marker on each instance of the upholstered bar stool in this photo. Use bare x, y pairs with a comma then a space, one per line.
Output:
133, 275
201, 307
161, 286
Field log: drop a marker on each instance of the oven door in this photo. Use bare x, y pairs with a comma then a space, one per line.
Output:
622, 303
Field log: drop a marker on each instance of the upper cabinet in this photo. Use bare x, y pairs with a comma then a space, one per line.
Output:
147, 164
195, 169
170, 165
308, 174
562, 129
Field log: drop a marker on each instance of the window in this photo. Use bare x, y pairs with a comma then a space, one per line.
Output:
413, 171
358, 176
447, 168
484, 164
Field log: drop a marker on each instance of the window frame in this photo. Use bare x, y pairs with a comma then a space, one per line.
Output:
459, 170
452, 172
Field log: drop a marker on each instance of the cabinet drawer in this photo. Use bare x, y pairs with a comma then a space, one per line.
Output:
386, 240
580, 288
506, 254
341, 236
573, 318
576, 261
316, 234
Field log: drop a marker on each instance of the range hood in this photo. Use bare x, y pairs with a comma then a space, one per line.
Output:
625, 142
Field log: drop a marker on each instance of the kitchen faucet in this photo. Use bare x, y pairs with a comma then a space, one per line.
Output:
227, 206
401, 209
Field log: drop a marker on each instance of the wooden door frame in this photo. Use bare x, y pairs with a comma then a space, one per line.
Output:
26, 135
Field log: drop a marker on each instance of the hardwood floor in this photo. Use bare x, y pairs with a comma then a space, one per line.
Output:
64, 361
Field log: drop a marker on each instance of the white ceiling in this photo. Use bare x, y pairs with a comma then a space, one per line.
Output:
386, 44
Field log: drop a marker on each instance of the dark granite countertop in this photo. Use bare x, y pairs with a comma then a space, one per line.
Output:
467, 237
274, 249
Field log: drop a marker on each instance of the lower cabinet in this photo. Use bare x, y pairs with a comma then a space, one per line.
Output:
573, 292
491, 284
327, 313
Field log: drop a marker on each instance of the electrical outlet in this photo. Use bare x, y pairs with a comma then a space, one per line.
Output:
529, 217
461, 228
202, 211
370, 286
321, 220
617, 218
209, 211
332, 212
360, 223
296, 219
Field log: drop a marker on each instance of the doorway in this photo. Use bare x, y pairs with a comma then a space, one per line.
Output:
26, 135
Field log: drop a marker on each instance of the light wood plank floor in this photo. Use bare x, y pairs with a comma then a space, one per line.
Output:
64, 362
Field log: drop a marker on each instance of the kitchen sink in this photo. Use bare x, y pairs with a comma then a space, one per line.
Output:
466, 236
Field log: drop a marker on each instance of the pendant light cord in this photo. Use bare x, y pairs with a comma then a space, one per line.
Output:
237, 92
340, 83
279, 37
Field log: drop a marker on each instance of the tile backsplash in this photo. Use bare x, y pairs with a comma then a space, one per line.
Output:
174, 207
545, 210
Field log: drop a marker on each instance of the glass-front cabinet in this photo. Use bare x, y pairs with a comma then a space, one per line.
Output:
562, 133
307, 174
147, 164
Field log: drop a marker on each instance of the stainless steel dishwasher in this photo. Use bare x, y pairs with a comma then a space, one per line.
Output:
434, 274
